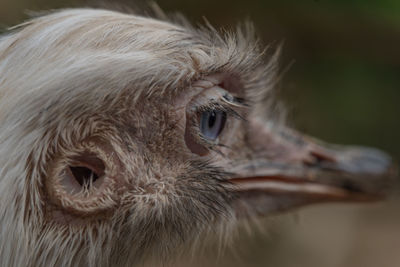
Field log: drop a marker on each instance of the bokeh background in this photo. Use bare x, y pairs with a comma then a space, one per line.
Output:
342, 85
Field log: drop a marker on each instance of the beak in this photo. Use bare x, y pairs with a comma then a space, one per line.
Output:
288, 170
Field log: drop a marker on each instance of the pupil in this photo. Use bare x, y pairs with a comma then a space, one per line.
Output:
212, 119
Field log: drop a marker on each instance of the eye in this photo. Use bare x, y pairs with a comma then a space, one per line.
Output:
212, 123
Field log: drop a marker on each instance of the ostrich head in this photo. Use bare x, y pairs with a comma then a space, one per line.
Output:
124, 138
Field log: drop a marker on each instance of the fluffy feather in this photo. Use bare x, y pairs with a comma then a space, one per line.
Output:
73, 77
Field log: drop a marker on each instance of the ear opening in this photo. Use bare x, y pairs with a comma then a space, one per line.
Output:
83, 175
84, 181
84, 172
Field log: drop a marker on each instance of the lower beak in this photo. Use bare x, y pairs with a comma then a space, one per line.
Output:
289, 170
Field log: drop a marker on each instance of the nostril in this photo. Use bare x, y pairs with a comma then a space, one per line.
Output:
317, 159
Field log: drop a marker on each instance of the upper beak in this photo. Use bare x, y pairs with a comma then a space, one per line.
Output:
288, 169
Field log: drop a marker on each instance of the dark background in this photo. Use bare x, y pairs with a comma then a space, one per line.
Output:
343, 85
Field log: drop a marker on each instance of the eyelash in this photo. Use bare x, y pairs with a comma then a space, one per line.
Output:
220, 107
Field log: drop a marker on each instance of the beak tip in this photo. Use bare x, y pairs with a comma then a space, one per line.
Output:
367, 160
370, 170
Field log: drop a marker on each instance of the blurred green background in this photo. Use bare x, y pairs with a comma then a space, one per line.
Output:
343, 85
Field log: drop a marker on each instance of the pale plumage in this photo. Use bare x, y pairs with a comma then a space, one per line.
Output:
101, 159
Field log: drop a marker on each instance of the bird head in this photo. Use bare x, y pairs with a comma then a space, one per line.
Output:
125, 138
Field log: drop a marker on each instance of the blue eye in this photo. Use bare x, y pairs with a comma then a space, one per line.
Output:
212, 123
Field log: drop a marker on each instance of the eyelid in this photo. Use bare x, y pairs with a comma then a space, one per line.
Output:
235, 101
219, 106
217, 95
